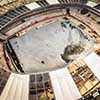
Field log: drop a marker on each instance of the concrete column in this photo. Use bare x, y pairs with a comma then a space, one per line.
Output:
17, 88
93, 62
7, 87
63, 85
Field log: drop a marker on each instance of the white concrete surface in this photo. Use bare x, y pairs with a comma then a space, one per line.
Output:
7, 87
17, 88
25, 88
93, 62
12, 90
63, 85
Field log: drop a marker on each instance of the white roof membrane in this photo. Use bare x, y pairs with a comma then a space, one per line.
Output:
32, 6
52, 2
91, 4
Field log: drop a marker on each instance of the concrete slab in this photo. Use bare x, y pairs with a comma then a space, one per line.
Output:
40, 49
